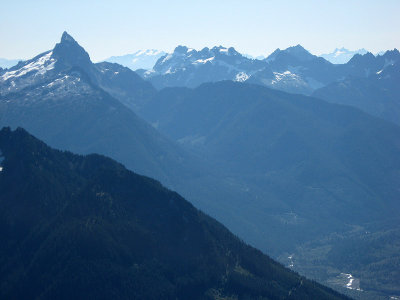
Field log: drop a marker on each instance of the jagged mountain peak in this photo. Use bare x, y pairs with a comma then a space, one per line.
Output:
66, 38
298, 47
69, 53
206, 50
181, 49
299, 52
273, 55
357, 58
392, 54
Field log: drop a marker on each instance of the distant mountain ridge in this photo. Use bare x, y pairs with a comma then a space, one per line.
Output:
8, 63
377, 93
342, 55
141, 59
295, 70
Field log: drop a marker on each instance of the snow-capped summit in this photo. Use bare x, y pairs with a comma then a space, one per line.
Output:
293, 69
342, 55
148, 52
67, 67
258, 57
141, 59
66, 54
183, 56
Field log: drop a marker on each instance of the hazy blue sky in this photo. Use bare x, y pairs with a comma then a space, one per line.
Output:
106, 28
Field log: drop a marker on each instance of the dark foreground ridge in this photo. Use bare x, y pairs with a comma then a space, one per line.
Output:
84, 227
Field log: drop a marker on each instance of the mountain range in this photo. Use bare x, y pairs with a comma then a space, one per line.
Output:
67, 101
282, 171
189, 67
146, 59
292, 70
366, 81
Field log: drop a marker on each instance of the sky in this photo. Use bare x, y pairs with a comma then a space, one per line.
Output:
255, 27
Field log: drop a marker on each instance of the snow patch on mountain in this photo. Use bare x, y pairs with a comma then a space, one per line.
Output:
59, 81
353, 283
284, 76
338, 53
59, 88
204, 61
40, 66
241, 77
169, 71
149, 73
166, 58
